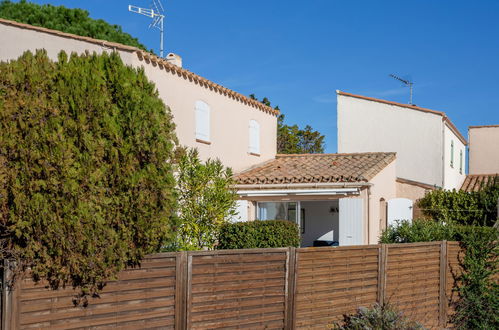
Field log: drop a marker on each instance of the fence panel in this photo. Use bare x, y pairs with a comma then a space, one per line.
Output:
413, 281
454, 253
333, 281
237, 289
261, 288
140, 298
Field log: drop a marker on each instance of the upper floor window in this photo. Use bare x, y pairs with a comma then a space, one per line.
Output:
452, 153
460, 162
254, 137
202, 121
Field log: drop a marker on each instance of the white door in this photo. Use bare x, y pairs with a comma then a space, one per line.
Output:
399, 209
351, 231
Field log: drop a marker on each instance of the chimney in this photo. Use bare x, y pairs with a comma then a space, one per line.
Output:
174, 59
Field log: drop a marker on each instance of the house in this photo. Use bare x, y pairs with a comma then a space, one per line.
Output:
483, 149
334, 197
431, 152
483, 156
217, 121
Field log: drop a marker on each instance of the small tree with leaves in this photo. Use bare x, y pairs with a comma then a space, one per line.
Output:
206, 201
293, 139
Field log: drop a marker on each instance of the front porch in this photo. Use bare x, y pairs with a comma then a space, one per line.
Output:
335, 199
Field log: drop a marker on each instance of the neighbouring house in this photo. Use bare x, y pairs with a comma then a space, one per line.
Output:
483, 156
333, 197
217, 121
483, 149
431, 152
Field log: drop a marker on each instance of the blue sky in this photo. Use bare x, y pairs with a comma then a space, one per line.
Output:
297, 53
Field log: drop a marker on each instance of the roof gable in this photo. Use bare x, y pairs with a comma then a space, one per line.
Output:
446, 119
148, 57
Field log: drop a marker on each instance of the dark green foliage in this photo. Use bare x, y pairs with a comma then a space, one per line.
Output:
259, 234
75, 21
427, 231
378, 317
294, 140
86, 178
462, 207
205, 201
478, 304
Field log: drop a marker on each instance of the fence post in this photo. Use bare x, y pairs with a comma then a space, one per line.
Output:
443, 284
181, 290
382, 262
291, 269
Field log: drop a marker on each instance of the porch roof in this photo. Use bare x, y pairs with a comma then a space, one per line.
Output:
317, 168
475, 182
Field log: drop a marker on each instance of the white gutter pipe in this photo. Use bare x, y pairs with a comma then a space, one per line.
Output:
297, 192
302, 185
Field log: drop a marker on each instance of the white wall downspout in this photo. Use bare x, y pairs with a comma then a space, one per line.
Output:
443, 152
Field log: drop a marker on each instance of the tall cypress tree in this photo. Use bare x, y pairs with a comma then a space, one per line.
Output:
86, 179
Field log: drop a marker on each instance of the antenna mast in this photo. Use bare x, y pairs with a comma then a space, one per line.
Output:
156, 13
405, 82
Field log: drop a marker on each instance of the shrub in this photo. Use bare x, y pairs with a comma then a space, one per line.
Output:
76, 21
427, 231
464, 208
478, 289
205, 201
417, 231
382, 317
86, 180
259, 234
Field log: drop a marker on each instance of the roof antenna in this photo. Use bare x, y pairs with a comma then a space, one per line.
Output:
156, 13
406, 82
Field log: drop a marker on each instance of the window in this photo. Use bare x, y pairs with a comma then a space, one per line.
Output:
254, 137
452, 153
277, 211
461, 162
202, 122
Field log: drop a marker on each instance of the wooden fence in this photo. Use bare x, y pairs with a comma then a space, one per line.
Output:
289, 288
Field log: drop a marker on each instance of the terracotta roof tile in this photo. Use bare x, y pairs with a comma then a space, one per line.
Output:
142, 55
475, 182
317, 168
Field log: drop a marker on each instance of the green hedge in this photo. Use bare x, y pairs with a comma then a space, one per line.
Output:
428, 231
258, 234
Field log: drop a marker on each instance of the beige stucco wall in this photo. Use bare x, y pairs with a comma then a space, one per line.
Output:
416, 136
409, 191
229, 124
384, 186
484, 149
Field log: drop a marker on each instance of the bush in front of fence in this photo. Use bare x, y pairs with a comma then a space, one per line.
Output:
385, 317
428, 231
258, 234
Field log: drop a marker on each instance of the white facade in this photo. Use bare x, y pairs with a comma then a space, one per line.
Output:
420, 137
454, 160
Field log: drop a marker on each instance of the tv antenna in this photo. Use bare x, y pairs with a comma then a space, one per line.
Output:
406, 82
156, 13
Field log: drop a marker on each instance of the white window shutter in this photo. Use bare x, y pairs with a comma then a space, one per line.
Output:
254, 137
202, 113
